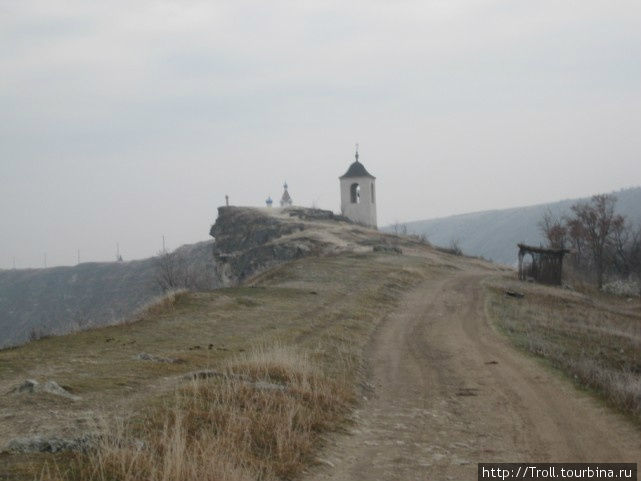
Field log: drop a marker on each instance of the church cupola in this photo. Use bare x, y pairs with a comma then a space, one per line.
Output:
286, 200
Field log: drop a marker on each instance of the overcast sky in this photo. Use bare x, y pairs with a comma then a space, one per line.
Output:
122, 121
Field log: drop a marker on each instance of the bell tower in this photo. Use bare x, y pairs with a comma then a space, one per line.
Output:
358, 194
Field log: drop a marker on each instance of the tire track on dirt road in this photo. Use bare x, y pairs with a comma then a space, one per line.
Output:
449, 392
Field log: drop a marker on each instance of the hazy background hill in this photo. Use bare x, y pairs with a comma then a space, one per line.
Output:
55, 300
494, 234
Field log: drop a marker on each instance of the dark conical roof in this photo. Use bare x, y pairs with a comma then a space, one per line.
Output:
357, 170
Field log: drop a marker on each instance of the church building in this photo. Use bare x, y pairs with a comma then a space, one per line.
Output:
358, 194
286, 200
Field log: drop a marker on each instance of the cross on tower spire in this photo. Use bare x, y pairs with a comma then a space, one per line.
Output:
356, 155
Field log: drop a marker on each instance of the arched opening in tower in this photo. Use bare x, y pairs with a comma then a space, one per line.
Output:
355, 193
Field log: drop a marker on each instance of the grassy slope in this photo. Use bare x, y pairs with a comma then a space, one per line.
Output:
326, 308
595, 339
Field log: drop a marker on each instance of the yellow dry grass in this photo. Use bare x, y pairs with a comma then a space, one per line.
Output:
290, 351
160, 305
259, 419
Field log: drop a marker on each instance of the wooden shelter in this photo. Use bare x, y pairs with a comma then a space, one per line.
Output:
546, 266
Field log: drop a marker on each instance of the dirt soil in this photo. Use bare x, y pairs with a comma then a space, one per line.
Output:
448, 391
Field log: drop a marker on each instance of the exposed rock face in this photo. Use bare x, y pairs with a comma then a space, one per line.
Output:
248, 241
239, 228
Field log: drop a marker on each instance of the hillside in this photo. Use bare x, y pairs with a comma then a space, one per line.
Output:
39, 302
127, 368
494, 234
54, 301
335, 352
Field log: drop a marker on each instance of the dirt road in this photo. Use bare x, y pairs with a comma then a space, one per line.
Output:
450, 392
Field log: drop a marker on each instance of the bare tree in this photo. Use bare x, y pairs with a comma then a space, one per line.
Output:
622, 248
635, 255
399, 229
181, 270
626, 250
594, 223
554, 230
171, 270
602, 241
455, 247
576, 238
423, 238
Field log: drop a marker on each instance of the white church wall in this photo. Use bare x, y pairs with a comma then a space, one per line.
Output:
364, 211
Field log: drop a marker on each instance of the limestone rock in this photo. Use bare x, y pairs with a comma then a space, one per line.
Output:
249, 241
32, 386
54, 444
387, 248
143, 356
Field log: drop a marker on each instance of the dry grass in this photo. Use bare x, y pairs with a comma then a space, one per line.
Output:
261, 419
597, 341
316, 324
160, 305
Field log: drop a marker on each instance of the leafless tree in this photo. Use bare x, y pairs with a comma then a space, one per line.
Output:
455, 247
595, 222
180, 270
601, 240
626, 250
635, 256
171, 270
399, 229
423, 238
554, 230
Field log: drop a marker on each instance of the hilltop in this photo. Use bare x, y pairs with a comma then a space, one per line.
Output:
494, 234
334, 351
36, 303
308, 280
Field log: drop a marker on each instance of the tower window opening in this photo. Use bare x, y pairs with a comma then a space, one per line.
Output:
355, 192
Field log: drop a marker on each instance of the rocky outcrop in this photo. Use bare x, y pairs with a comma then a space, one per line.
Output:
52, 444
248, 241
30, 386
143, 356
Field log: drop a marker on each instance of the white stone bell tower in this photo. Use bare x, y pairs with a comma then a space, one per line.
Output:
358, 194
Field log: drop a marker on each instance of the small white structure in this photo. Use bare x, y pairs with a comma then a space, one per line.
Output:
286, 200
358, 194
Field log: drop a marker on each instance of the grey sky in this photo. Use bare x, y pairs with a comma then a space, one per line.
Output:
122, 121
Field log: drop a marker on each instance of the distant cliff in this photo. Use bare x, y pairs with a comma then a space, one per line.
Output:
36, 302
494, 234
